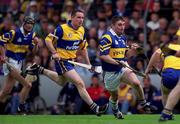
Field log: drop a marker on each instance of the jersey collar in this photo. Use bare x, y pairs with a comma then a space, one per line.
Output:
22, 31
70, 25
113, 32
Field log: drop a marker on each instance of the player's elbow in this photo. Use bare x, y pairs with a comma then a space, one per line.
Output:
102, 57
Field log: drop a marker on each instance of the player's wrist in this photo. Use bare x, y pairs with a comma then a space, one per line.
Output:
54, 52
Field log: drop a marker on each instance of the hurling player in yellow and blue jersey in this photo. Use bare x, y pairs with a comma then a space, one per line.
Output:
113, 47
170, 85
14, 47
64, 43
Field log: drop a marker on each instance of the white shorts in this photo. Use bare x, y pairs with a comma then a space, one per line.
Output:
15, 63
112, 79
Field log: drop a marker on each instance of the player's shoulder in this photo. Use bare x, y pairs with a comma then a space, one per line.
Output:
174, 46
107, 36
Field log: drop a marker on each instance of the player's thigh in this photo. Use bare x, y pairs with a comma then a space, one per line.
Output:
73, 77
165, 91
129, 77
61, 80
9, 83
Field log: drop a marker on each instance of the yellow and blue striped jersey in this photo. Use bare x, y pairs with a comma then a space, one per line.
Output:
17, 44
68, 40
114, 46
178, 32
172, 61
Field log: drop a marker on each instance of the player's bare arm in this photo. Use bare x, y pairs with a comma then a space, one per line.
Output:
36, 40
84, 53
155, 58
131, 49
53, 51
108, 59
2, 54
177, 53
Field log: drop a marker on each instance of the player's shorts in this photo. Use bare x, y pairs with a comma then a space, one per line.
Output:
15, 63
170, 77
112, 79
63, 66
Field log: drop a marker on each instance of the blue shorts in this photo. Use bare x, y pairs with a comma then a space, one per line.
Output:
63, 66
170, 77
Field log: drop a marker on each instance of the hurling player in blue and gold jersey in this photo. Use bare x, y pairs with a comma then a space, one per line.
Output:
64, 43
170, 86
113, 47
14, 47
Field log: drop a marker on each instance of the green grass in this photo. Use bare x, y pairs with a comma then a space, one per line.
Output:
83, 119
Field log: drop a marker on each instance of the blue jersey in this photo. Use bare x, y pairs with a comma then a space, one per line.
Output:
115, 47
17, 44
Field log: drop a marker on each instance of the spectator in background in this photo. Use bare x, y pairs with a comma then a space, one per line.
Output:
164, 38
42, 28
107, 4
175, 16
14, 10
157, 101
68, 97
56, 19
67, 9
101, 15
175, 4
92, 33
139, 65
121, 9
96, 91
33, 10
172, 28
101, 28
149, 89
126, 99
134, 19
141, 38
45, 58
129, 30
163, 24
6, 26
153, 24
156, 8
92, 51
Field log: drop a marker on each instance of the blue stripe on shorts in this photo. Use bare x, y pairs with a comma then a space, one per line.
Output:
63, 66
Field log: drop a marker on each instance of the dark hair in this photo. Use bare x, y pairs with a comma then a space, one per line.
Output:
29, 20
75, 11
95, 76
148, 78
116, 18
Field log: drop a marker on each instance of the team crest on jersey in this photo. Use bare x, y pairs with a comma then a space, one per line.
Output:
123, 42
19, 40
116, 42
70, 35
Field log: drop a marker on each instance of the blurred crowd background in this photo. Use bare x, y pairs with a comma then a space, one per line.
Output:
162, 22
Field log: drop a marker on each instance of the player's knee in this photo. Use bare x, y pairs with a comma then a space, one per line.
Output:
80, 84
6, 92
114, 97
136, 83
28, 85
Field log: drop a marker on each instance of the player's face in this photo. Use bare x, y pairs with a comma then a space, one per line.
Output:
119, 27
28, 27
78, 19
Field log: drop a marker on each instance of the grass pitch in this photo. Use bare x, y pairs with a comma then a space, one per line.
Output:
83, 119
